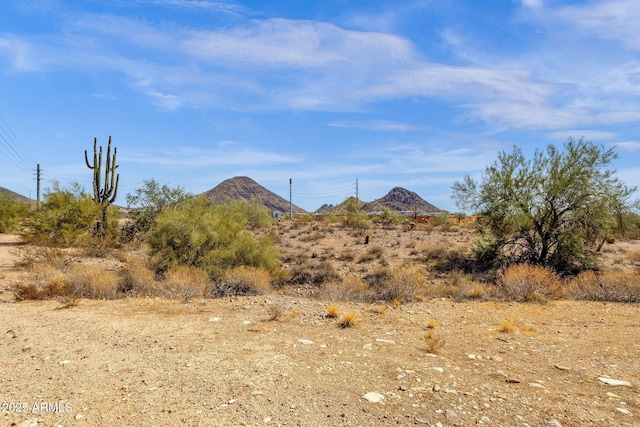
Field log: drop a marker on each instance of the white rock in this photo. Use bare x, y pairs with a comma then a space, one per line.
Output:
64, 362
385, 341
554, 423
612, 395
536, 385
368, 346
214, 319
611, 381
79, 417
373, 397
307, 342
624, 411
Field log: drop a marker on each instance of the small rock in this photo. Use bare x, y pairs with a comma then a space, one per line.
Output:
624, 411
436, 388
554, 423
611, 381
368, 346
79, 417
232, 401
28, 423
306, 342
419, 421
266, 420
484, 420
453, 418
471, 356
214, 319
385, 341
438, 369
536, 385
613, 395
562, 368
512, 381
64, 362
496, 358
373, 397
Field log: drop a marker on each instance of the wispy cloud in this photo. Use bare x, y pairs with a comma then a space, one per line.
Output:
374, 125
187, 157
611, 19
284, 64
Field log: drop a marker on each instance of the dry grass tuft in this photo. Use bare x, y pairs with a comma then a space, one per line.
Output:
433, 342
93, 281
27, 292
379, 309
348, 320
507, 327
529, 283
431, 324
349, 288
333, 311
186, 282
404, 283
609, 286
274, 311
68, 302
243, 281
138, 279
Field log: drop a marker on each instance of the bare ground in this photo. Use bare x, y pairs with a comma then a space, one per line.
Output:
221, 362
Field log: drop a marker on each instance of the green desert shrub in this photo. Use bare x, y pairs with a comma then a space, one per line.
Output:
67, 217
214, 238
12, 213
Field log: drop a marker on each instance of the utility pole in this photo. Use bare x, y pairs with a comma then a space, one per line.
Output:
290, 200
38, 178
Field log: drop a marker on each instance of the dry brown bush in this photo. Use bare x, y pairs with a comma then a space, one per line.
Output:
609, 286
529, 283
138, 279
243, 281
187, 282
35, 255
349, 288
93, 281
348, 320
433, 342
404, 283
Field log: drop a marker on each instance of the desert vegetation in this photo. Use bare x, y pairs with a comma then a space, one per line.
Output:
560, 225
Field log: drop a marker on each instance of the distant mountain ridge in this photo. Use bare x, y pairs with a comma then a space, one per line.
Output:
13, 195
245, 188
401, 199
398, 199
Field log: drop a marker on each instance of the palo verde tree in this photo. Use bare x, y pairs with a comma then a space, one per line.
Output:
148, 202
556, 209
104, 192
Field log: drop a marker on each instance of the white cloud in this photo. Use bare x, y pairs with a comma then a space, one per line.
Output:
374, 125
610, 19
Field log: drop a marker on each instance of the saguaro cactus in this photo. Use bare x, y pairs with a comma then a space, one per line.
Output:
105, 193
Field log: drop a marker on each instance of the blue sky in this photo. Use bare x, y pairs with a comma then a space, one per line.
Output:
392, 93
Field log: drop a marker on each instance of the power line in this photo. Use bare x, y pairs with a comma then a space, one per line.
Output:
13, 149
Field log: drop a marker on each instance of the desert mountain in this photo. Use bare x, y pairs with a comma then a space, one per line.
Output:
13, 195
242, 187
400, 199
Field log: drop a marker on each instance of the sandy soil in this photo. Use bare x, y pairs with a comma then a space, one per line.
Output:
221, 362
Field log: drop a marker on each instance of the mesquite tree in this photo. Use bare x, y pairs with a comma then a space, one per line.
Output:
556, 209
104, 192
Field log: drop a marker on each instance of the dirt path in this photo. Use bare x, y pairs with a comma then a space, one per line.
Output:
221, 362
